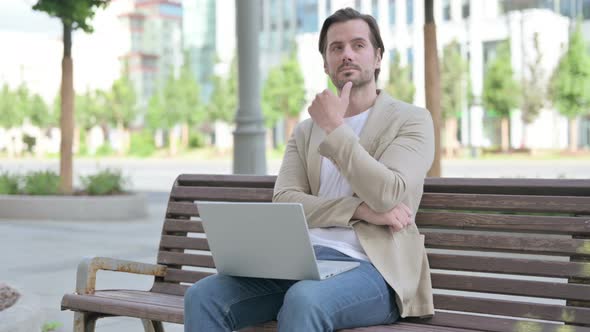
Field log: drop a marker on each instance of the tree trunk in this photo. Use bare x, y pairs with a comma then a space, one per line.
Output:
172, 141
573, 129
67, 114
451, 137
432, 82
290, 124
184, 139
122, 138
505, 134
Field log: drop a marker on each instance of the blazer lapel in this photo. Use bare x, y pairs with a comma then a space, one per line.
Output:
369, 137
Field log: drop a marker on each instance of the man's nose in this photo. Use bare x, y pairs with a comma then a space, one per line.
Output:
347, 54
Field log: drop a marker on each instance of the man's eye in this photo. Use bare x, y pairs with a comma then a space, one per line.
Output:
360, 45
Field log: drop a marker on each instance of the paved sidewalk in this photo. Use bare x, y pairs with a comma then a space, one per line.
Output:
41, 256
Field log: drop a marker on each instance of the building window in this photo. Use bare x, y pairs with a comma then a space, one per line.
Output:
307, 16
357, 5
262, 15
586, 9
465, 9
392, 55
328, 8
410, 55
410, 12
446, 10
375, 9
392, 12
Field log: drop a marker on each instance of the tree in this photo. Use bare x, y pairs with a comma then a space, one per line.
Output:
400, 86
121, 104
570, 84
11, 116
284, 94
533, 89
501, 93
222, 105
191, 108
454, 81
74, 14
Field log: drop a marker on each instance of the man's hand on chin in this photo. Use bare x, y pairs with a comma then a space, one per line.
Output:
327, 110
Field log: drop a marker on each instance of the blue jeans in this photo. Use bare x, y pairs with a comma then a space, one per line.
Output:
356, 298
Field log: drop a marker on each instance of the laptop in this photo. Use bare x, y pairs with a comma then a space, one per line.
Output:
264, 240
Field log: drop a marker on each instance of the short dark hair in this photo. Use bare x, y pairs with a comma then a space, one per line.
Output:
347, 14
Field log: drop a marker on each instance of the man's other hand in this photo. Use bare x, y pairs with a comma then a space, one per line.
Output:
397, 218
327, 110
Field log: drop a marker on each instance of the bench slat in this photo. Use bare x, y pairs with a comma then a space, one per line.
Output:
506, 243
231, 194
502, 222
531, 267
548, 187
551, 312
182, 242
511, 203
182, 209
219, 180
183, 225
493, 324
552, 290
171, 288
176, 275
178, 258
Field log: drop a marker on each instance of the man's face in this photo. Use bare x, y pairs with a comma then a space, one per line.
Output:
350, 56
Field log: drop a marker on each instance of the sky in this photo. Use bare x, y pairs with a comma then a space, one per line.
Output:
18, 16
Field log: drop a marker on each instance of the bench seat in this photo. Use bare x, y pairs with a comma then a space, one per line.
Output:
506, 255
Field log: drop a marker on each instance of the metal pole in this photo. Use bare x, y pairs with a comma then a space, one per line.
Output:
249, 136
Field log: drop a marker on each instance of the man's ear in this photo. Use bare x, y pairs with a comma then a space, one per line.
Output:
378, 56
326, 67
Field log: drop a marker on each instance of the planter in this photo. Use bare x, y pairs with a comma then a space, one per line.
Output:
24, 316
116, 207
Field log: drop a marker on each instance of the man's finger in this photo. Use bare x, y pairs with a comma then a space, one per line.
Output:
345, 93
407, 209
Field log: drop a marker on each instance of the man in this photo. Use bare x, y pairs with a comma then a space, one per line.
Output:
358, 167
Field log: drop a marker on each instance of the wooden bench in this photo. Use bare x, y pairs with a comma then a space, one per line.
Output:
506, 255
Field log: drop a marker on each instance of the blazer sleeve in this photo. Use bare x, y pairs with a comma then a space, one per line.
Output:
406, 158
292, 185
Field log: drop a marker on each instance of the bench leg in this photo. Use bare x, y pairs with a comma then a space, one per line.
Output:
152, 325
84, 322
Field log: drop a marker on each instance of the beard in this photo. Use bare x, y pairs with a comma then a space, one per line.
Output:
365, 77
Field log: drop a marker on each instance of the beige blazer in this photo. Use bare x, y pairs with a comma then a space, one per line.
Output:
385, 166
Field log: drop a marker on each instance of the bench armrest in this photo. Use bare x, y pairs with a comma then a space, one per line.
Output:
87, 268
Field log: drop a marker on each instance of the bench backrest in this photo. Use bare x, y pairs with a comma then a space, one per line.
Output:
505, 247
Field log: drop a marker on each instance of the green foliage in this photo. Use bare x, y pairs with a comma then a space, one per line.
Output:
570, 83
283, 94
454, 81
400, 84
142, 144
39, 112
9, 108
224, 97
331, 86
534, 89
41, 183
51, 326
91, 108
120, 102
196, 140
501, 92
9, 184
104, 150
105, 182
75, 13
156, 112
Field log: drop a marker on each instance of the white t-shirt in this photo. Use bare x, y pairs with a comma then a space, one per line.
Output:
334, 185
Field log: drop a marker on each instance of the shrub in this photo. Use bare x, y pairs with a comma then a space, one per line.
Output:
9, 183
106, 182
142, 144
196, 140
104, 150
41, 183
